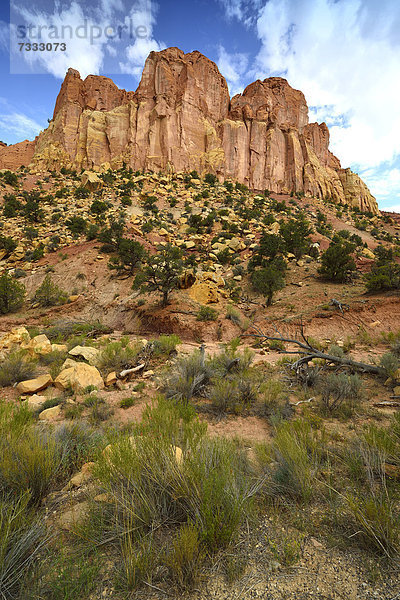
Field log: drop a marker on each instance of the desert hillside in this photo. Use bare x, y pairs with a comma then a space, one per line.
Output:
200, 389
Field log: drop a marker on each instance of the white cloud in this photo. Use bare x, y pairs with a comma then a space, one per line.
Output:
19, 125
142, 15
345, 56
100, 31
243, 10
385, 182
232, 66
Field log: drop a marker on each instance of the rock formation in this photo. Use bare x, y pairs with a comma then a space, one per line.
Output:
182, 118
16, 155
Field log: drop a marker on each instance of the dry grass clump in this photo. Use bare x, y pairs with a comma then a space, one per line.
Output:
198, 497
16, 367
117, 356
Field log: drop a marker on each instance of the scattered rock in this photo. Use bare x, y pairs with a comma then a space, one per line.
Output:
71, 517
111, 379
36, 402
79, 377
50, 414
87, 352
84, 475
31, 386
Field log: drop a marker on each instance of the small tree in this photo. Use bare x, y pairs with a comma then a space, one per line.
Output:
49, 294
12, 294
267, 250
76, 225
130, 254
161, 272
385, 272
268, 280
7, 244
337, 262
295, 234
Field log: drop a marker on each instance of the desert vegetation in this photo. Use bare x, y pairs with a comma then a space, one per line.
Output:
200, 389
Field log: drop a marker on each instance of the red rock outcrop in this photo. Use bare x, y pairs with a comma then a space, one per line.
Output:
16, 155
181, 118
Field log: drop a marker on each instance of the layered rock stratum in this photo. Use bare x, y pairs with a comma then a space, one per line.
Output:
181, 118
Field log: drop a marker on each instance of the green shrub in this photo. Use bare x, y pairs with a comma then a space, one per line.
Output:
116, 356
49, 294
297, 449
166, 344
189, 376
209, 487
130, 254
74, 576
337, 263
162, 272
127, 402
29, 462
100, 412
207, 313
16, 367
268, 280
295, 234
8, 244
339, 388
76, 225
12, 294
185, 557
377, 519
10, 178
390, 363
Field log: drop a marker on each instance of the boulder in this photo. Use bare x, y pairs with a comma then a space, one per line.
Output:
68, 363
87, 352
91, 180
111, 378
16, 337
50, 414
31, 386
84, 475
368, 253
204, 293
40, 344
68, 519
35, 402
178, 454
79, 377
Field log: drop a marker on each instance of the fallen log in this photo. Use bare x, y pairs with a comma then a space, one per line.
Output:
127, 372
308, 353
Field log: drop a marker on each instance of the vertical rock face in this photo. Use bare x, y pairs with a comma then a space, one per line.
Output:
181, 117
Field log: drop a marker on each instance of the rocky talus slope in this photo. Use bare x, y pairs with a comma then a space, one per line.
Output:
181, 118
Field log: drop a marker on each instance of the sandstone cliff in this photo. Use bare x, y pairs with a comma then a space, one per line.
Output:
181, 117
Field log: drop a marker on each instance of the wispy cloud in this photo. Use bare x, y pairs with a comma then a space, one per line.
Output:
136, 53
4, 36
243, 10
94, 34
385, 181
232, 66
19, 125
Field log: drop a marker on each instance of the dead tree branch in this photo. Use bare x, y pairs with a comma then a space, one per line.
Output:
307, 352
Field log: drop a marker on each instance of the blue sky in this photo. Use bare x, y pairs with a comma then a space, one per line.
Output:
343, 54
